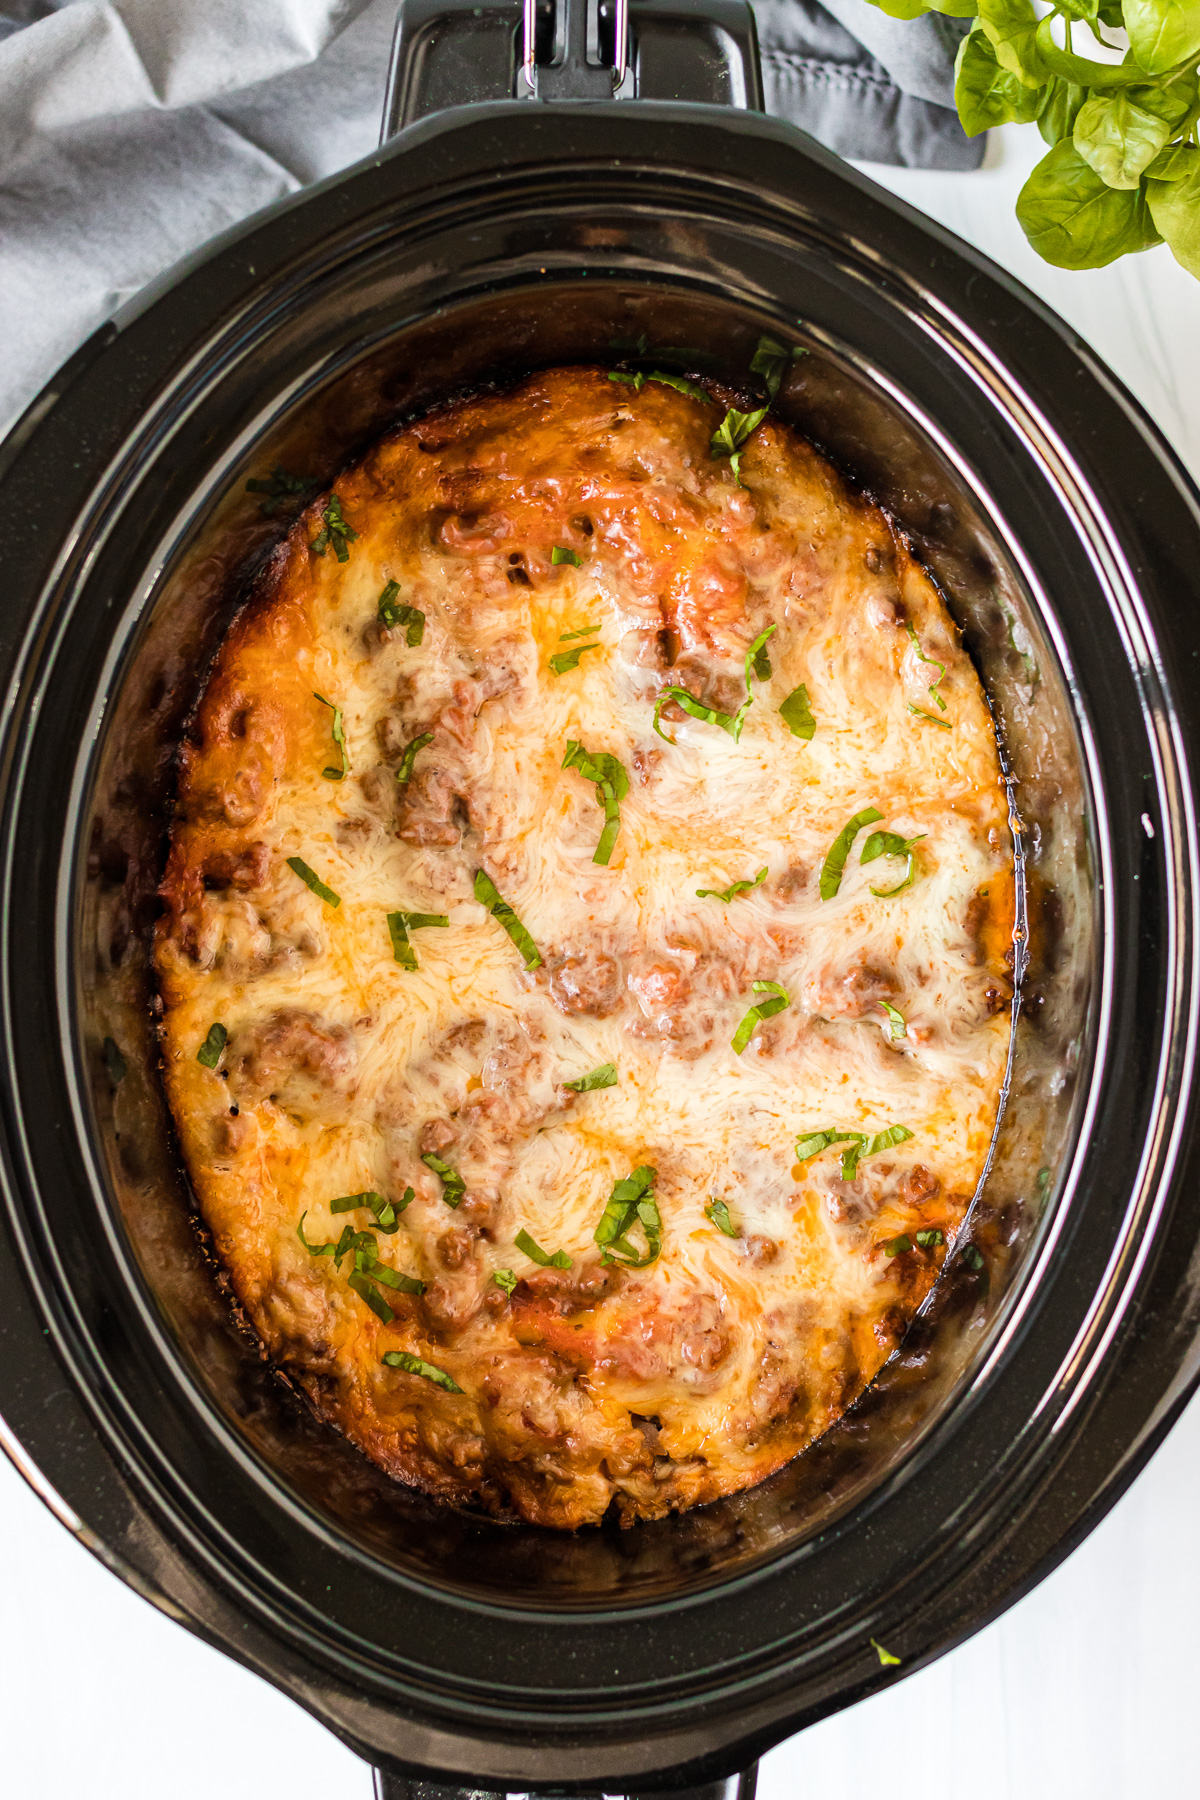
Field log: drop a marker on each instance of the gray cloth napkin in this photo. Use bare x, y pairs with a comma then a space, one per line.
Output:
133, 130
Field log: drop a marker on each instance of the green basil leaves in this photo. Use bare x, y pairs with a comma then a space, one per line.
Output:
631, 1203
399, 925
603, 1077
488, 895
612, 785
453, 1185
757, 663
734, 889
535, 1253
312, 880
835, 857
336, 529
415, 1365
210, 1051
391, 615
338, 731
764, 1009
858, 1145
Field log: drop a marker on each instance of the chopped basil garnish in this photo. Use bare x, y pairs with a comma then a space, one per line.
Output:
603, 1077
764, 1009
734, 889
413, 1365
839, 850
929, 1240
336, 529
399, 925
885, 1656
404, 773
630, 1203
757, 663
563, 661
636, 382
488, 895
890, 843
858, 1145
281, 488
797, 714
114, 1062
312, 880
897, 1023
210, 1050
374, 1299
770, 361
384, 1210
505, 1279
535, 1253
368, 1273
562, 554
732, 433
898, 1245
691, 388
612, 785
973, 1257
942, 724
718, 1213
566, 637
453, 1185
933, 663
338, 730
391, 615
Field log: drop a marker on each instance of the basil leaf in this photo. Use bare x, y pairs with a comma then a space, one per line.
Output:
559, 554
211, 1049
1060, 104
765, 1009
797, 714
1011, 28
353, 1202
898, 1245
1162, 32
312, 880
985, 94
1118, 138
770, 360
378, 1305
858, 1145
718, 1214
1175, 209
404, 773
735, 428
885, 1656
691, 388
453, 1185
281, 488
316, 1249
505, 1279
414, 1365
339, 737
631, 1202
563, 661
814, 1142
588, 630
115, 1063
890, 843
488, 895
636, 382
886, 1139
336, 530
612, 785
839, 850
402, 1284
897, 1023
695, 709
973, 1257
399, 925
929, 717
734, 889
390, 615
929, 1240
933, 663
535, 1253
603, 1077
1175, 163
1074, 220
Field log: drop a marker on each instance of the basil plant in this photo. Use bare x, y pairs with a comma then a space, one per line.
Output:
1123, 169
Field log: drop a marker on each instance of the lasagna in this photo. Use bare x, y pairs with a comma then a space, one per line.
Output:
586, 946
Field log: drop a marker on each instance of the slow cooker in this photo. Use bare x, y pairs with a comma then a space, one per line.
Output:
563, 182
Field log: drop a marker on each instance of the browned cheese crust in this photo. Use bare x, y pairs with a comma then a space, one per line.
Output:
649, 1387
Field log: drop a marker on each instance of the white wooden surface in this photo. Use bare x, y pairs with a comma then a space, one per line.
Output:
1083, 1691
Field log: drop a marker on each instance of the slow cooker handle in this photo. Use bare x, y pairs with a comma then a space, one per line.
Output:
399, 1787
449, 53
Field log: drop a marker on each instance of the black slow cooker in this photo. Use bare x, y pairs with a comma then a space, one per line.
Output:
530, 227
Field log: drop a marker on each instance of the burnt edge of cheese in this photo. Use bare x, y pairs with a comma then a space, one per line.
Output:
649, 1380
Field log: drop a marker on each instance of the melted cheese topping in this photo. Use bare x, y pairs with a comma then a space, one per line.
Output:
696, 1375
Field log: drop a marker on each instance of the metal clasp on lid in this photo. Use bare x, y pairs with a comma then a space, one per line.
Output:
569, 46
